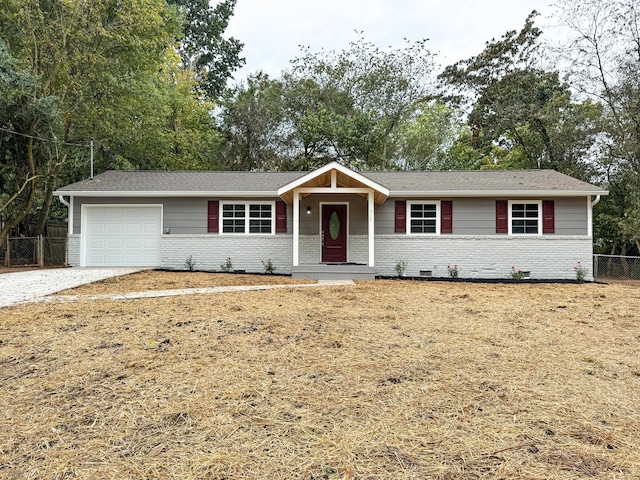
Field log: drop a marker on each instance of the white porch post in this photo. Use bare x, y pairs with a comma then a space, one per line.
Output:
589, 217
370, 207
296, 227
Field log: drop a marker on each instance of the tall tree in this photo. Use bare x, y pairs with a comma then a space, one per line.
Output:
21, 167
348, 106
251, 122
522, 108
203, 48
603, 52
426, 139
106, 70
366, 93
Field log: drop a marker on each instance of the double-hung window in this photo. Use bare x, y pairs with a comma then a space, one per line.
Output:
424, 217
248, 218
525, 217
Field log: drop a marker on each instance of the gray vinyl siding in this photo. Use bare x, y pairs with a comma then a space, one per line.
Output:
385, 216
571, 216
471, 216
477, 216
180, 215
474, 216
185, 215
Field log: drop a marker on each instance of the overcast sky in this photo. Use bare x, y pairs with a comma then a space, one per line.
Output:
273, 30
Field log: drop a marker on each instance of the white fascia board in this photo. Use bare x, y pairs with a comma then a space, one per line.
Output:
333, 166
425, 193
166, 194
497, 193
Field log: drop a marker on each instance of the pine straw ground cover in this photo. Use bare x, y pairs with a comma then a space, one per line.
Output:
382, 380
168, 280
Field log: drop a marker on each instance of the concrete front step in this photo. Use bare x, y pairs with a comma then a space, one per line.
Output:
334, 271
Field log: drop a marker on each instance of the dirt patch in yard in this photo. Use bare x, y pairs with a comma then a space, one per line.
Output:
166, 280
380, 380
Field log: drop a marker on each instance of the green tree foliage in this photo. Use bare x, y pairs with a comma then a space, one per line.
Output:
427, 139
20, 169
203, 48
361, 96
521, 115
251, 122
604, 57
105, 70
355, 106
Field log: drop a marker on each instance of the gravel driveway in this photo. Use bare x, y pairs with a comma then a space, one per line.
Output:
20, 287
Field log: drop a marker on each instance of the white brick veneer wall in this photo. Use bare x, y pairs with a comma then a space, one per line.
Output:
73, 250
546, 257
209, 251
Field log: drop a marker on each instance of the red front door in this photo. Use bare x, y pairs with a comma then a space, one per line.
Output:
334, 233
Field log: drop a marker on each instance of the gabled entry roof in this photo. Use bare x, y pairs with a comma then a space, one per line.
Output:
334, 177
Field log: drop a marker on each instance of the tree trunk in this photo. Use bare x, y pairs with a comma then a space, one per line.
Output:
625, 265
610, 260
50, 185
41, 222
28, 206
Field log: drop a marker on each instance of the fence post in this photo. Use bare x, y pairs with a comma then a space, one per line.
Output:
40, 247
7, 257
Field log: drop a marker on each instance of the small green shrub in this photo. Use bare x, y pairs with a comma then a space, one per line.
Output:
581, 272
269, 267
190, 263
516, 274
227, 265
401, 267
453, 271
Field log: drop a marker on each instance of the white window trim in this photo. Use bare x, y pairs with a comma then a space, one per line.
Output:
539, 203
246, 218
422, 202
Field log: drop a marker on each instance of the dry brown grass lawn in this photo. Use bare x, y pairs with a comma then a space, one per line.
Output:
382, 380
167, 280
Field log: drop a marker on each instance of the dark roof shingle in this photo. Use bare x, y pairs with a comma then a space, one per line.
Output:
210, 182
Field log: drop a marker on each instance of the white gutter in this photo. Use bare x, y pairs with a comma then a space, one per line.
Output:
150, 194
495, 193
63, 201
596, 201
399, 193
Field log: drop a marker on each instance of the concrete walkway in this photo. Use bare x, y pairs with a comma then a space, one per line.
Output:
32, 285
194, 291
37, 285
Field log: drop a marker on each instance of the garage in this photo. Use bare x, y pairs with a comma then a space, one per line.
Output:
121, 236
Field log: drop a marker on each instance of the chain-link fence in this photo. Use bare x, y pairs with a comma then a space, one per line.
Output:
616, 267
33, 251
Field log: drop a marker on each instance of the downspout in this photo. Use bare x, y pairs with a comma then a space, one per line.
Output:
69, 222
594, 258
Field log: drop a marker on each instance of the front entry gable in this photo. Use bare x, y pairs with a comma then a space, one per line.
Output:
333, 178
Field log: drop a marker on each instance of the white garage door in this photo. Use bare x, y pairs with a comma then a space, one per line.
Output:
117, 236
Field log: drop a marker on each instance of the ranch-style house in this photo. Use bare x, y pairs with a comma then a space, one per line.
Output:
334, 222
